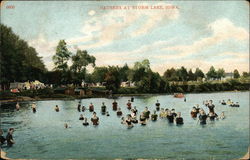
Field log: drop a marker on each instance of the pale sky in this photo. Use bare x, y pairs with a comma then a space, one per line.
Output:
195, 34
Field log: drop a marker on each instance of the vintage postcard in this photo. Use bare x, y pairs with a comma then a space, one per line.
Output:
124, 80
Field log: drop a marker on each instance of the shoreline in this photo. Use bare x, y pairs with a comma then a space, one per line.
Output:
26, 99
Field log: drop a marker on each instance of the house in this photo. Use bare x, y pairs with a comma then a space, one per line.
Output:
127, 84
228, 75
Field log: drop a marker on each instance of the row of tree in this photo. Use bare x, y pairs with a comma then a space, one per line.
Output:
19, 61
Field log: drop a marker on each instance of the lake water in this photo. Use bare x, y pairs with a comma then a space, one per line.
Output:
42, 134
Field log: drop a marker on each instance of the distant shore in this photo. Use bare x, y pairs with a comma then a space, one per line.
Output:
67, 97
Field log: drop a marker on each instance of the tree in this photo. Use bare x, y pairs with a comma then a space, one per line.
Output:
220, 73
170, 75
18, 61
245, 74
124, 72
211, 74
113, 79
191, 76
182, 74
198, 74
80, 61
61, 59
236, 74
98, 74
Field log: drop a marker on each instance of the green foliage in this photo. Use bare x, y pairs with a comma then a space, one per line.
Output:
98, 74
211, 74
7, 95
236, 74
18, 61
113, 78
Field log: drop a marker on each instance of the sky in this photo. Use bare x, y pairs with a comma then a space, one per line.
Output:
177, 33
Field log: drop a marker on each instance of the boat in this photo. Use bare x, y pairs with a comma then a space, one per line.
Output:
178, 95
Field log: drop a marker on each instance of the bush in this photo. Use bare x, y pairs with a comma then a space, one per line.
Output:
7, 95
127, 90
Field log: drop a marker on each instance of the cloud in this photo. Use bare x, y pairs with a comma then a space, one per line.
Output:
221, 30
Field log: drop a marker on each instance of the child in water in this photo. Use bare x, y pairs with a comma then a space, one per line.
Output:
17, 106
85, 123
154, 116
2, 139
9, 137
81, 117
56, 108
33, 106
179, 119
222, 116
143, 119
119, 112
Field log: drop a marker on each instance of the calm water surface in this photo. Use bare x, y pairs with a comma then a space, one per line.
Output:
42, 134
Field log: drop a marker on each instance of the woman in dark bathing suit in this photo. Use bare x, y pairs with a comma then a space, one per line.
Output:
95, 119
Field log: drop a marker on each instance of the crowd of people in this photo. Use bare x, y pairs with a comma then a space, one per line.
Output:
134, 117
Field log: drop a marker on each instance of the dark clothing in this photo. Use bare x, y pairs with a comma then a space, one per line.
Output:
2, 140
170, 118
114, 106
146, 114
212, 118
57, 109
174, 114
179, 120
34, 110
154, 117
81, 118
85, 124
83, 108
91, 108
135, 111
132, 99
119, 113
211, 108
134, 121
157, 106
79, 108
128, 122
95, 120
142, 118
9, 138
197, 110
203, 119
103, 108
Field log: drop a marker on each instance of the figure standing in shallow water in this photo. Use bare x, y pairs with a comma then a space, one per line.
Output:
129, 122
143, 119
2, 139
157, 104
193, 113
129, 105
85, 123
33, 106
17, 106
114, 105
81, 117
202, 117
179, 119
103, 108
154, 116
9, 137
95, 119
79, 107
91, 107
119, 112
57, 108
222, 116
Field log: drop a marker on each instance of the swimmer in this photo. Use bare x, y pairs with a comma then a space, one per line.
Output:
17, 106
128, 121
33, 106
222, 116
179, 119
85, 123
135, 110
223, 102
66, 125
170, 117
129, 105
119, 112
142, 119
211, 106
122, 120
107, 114
91, 107
162, 113
2, 139
83, 108
202, 117
193, 113
154, 116
132, 99
95, 119
81, 117
185, 99
79, 107
56, 108
146, 113
173, 113
9, 137
157, 104
114, 105
197, 109
103, 108
212, 116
